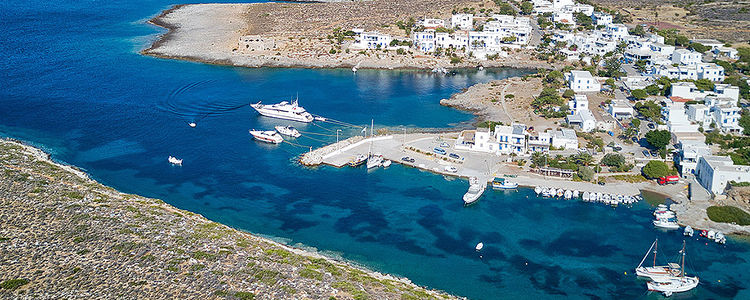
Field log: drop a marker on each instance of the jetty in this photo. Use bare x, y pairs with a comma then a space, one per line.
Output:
419, 151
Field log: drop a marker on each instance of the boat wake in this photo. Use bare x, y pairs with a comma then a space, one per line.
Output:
193, 106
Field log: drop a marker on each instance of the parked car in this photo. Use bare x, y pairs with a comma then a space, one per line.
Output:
651, 126
454, 156
635, 140
439, 150
654, 153
601, 183
407, 159
444, 145
645, 153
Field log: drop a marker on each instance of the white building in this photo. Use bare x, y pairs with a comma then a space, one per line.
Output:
565, 139
727, 52
578, 104
688, 90
432, 23
677, 119
371, 40
511, 139
686, 57
564, 17
725, 113
620, 109
462, 21
714, 172
689, 154
584, 120
476, 140
539, 142
699, 114
601, 19
582, 81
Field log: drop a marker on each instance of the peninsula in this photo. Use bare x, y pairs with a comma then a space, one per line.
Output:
64, 234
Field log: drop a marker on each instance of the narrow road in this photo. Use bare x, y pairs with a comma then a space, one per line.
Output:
502, 101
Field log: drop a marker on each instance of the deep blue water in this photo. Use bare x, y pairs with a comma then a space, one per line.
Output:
73, 84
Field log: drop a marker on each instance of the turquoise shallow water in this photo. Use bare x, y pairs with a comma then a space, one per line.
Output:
74, 85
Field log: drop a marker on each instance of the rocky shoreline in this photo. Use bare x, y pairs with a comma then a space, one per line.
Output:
63, 235
209, 33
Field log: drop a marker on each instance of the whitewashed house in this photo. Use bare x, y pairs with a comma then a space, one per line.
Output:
620, 109
584, 120
686, 57
371, 40
699, 114
582, 81
601, 18
432, 23
710, 71
727, 52
715, 172
578, 104
540, 142
462, 21
565, 139
425, 41
725, 112
689, 154
511, 139
479, 140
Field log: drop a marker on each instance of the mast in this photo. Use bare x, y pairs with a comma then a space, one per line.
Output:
656, 246
646, 256
682, 269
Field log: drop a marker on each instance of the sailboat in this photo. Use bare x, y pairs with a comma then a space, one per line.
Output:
373, 161
674, 284
655, 271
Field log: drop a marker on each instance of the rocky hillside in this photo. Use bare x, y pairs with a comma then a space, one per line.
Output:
63, 235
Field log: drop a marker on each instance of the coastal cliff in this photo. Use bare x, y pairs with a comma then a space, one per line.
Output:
64, 235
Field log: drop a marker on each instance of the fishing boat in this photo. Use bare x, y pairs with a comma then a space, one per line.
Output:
268, 136
174, 160
476, 189
720, 238
688, 231
560, 192
576, 193
284, 110
538, 190
479, 246
358, 160
674, 283
585, 196
502, 183
547, 192
386, 163
568, 194
288, 131
671, 269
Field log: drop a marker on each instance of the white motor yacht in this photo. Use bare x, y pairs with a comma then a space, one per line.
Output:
386, 163
174, 160
284, 110
288, 131
666, 223
268, 136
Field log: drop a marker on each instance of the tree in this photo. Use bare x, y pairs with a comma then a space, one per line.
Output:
638, 30
612, 68
505, 8
586, 173
640, 65
698, 47
639, 94
569, 94
745, 121
527, 7
554, 77
613, 160
658, 138
704, 85
655, 169
636, 123
649, 109
653, 90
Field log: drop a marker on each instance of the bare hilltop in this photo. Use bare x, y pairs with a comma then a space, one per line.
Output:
63, 235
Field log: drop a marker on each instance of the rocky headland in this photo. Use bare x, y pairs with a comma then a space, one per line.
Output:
63, 235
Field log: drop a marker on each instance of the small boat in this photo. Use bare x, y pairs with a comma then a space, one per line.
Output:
192, 124
599, 196
476, 189
711, 234
502, 183
666, 223
674, 283
374, 161
585, 196
547, 192
703, 233
720, 238
560, 192
174, 160
479, 246
319, 118
354, 69
481, 68
268, 136
671, 269
386, 163
576, 193
568, 194
538, 190
288, 131
688, 231
451, 169
358, 160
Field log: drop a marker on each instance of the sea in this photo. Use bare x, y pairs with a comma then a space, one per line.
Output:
73, 84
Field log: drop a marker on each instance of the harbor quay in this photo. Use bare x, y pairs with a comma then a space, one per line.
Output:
418, 150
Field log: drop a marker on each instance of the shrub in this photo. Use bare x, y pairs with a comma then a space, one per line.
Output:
586, 173
13, 284
244, 295
728, 214
613, 160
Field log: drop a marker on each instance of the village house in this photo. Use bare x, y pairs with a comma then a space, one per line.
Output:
540, 142
462, 21
582, 81
620, 109
371, 40
565, 139
715, 172
689, 154
686, 57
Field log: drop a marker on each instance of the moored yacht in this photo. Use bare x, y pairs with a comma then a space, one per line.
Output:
358, 160
288, 131
268, 136
671, 269
674, 283
284, 110
502, 183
